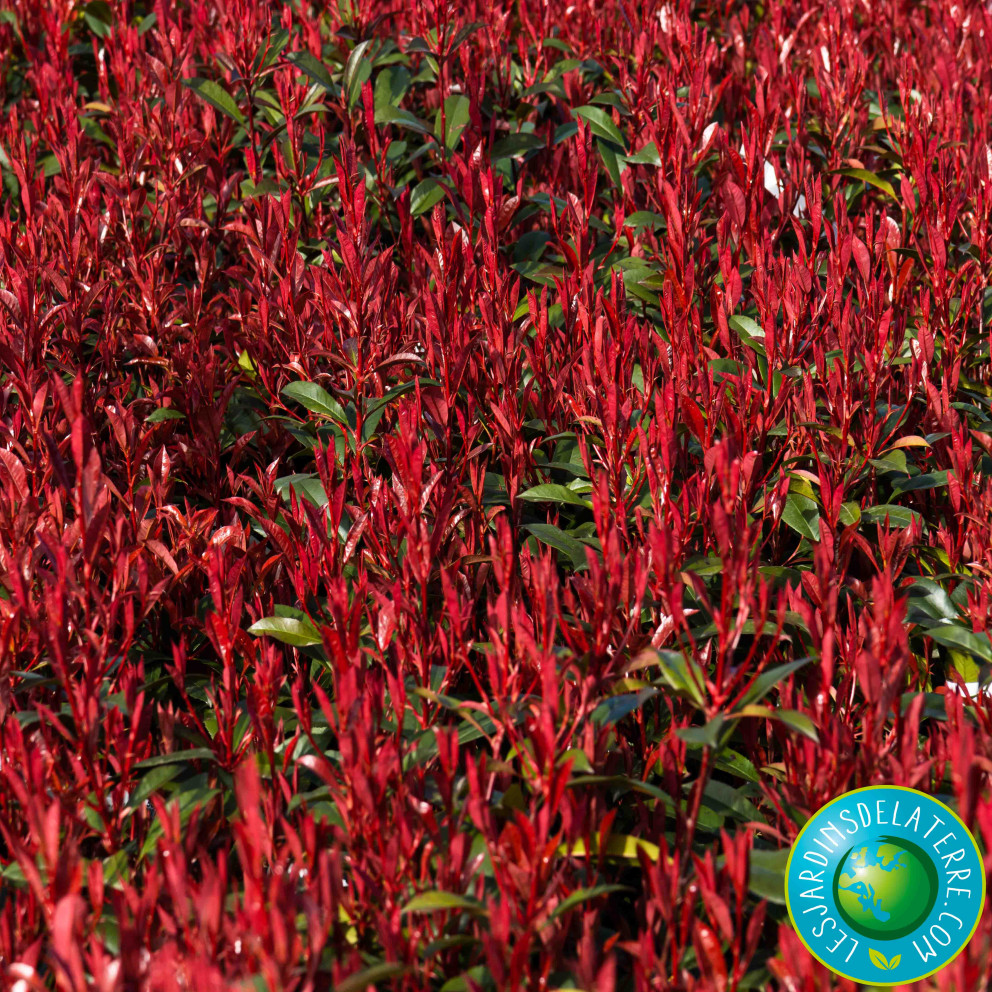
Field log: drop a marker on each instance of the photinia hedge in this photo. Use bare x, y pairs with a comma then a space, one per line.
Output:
475, 477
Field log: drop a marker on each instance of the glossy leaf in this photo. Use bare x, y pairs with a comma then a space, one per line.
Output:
553, 493
561, 541
600, 123
425, 195
871, 179
432, 902
316, 400
767, 680
767, 874
297, 633
218, 98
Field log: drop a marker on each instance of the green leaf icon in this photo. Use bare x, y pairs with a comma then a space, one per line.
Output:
878, 959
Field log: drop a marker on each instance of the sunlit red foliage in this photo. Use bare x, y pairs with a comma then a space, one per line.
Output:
475, 478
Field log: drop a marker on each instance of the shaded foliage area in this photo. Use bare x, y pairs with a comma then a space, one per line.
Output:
475, 479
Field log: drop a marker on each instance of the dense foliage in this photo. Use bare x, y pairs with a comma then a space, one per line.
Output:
475, 478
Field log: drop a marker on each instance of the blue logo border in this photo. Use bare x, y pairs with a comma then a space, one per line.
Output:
916, 792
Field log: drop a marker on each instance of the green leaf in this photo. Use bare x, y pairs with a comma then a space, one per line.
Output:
793, 719
627, 847
600, 123
297, 633
767, 874
622, 784
456, 117
871, 179
675, 671
850, 513
217, 97
436, 901
705, 736
556, 538
267, 54
376, 406
356, 71
474, 726
514, 145
928, 480
312, 68
391, 85
614, 708
726, 800
177, 757
245, 362
614, 164
643, 218
892, 461
99, 18
648, 155
584, 895
152, 782
929, 602
13, 875
475, 978
878, 959
798, 484
419, 44
622, 846
966, 667
164, 413
746, 325
464, 34
50, 166
961, 639
361, 980
898, 516
750, 332
316, 400
803, 515
934, 705
762, 685
730, 761
401, 118
308, 486
250, 190
425, 195
549, 492
580, 762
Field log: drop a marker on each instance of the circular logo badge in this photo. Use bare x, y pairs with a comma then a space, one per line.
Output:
885, 885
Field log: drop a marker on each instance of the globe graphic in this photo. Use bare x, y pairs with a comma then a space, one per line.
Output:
885, 888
